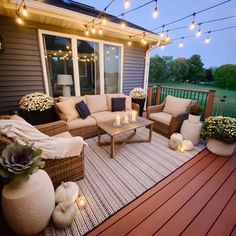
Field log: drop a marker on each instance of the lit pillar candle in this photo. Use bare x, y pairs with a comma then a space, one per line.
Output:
81, 202
126, 120
117, 119
133, 115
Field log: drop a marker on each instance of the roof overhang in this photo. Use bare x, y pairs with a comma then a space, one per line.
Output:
44, 13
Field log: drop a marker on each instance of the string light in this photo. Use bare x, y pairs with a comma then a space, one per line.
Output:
123, 22
199, 31
100, 30
168, 39
163, 47
143, 40
192, 26
21, 9
208, 38
155, 11
86, 31
127, 4
104, 20
130, 41
162, 32
19, 20
181, 44
93, 29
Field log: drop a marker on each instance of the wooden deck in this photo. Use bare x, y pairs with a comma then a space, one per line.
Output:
197, 199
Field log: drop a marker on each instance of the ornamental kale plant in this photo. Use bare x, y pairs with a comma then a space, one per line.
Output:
36, 102
137, 93
18, 162
220, 128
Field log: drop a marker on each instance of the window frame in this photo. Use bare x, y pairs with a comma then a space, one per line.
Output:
74, 39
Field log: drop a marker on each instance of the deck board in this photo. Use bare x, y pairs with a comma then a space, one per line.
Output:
201, 192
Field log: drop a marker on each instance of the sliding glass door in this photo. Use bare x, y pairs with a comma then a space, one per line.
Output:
112, 68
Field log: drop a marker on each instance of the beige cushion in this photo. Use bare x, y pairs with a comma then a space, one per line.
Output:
75, 98
128, 103
175, 106
80, 123
104, 116
67, 108
97, 103
161, 117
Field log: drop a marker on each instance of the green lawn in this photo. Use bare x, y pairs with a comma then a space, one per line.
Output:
228, 107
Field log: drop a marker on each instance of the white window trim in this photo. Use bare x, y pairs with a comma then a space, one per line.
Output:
74, 39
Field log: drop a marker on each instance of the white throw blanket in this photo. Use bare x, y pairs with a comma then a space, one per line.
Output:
53, 147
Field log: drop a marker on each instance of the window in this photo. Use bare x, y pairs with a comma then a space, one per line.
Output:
112, 68
75, 66
89, 73
59, 65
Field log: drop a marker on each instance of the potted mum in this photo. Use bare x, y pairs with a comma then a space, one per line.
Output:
220, 133
138, 96
195, 112
37, 108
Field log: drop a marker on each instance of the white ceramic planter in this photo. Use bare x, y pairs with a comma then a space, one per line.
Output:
193, 118
220, 148
29, 206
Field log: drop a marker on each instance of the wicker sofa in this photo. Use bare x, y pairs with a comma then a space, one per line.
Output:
66, 169
100, 108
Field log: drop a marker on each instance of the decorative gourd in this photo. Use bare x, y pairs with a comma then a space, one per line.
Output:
67, 191
187, 145
173, 145
64, 214
177, 138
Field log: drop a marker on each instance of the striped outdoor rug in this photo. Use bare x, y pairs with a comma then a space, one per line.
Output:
110, 184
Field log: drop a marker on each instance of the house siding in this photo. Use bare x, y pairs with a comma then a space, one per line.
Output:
21, 69
20, 64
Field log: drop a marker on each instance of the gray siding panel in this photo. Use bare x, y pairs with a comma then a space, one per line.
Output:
133, 69
20, 64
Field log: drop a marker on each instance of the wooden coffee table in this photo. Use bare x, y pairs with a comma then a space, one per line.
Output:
113, 131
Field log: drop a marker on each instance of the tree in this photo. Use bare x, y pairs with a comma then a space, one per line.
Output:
225, 76
196, 69
158, 69
209, 75
180, 69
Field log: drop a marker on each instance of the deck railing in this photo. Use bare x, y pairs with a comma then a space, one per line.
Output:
157, 94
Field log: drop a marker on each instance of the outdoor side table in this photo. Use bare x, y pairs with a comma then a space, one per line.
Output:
191, 131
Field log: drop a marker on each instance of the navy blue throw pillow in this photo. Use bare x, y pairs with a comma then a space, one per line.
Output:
83, 109
118, 104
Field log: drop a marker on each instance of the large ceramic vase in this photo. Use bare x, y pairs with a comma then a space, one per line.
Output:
193, 118
141, 103
219, 148
39, 117
28, 207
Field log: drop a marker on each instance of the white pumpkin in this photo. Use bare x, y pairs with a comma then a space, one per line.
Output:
63, 214
177, 138
187, 145
173, 145
67, 191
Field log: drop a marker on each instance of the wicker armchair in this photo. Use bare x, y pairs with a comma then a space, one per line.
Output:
162, 127
66, 169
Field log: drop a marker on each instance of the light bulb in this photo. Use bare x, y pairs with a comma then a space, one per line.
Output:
162, 47
192, 26
155, 13
93, 30
129, 43
198, 33
181, 44
167, 39
162, 35
24, 11
127, 4
207, 40
100, 31
104, 20
19, 21
123, 25
86, 32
